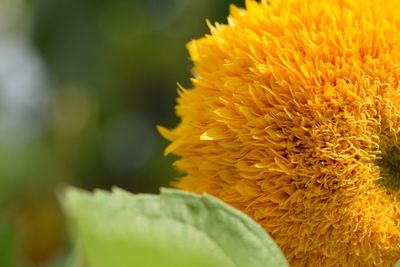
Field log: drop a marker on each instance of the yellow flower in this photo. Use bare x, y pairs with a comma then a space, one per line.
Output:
294, 118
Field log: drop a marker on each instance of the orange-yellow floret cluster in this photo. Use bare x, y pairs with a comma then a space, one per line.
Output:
294, 118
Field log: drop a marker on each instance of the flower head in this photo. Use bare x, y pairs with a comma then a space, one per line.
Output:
294, 118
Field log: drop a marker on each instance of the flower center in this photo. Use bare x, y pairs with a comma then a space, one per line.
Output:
389, 166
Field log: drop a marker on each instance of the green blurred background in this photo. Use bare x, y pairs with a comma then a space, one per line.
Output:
83, 84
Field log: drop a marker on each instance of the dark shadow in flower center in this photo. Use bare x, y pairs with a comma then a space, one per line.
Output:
389, 166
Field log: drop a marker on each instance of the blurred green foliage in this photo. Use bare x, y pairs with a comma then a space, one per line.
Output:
7, 240
102, 74
116, 63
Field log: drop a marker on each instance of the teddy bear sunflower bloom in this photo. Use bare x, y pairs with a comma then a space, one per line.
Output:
294, 118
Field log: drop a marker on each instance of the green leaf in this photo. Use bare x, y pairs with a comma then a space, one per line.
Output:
176, 229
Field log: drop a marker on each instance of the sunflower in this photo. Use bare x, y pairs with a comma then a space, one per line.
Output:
294, 118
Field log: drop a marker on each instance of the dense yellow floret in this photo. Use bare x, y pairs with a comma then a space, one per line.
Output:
294, 118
